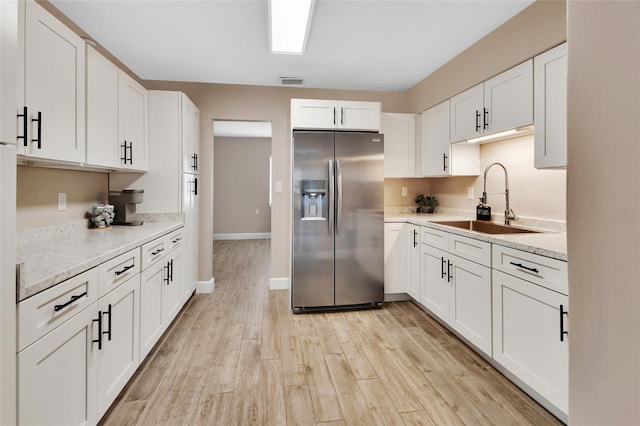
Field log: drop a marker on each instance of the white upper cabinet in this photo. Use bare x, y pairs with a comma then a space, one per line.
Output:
51, 87
190, 135
399, 145
329, 114
438, 156
550, 107
133, 116
8, 76
501, 103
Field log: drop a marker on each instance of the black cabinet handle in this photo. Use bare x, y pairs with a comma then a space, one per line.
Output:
25, 127
194, 162
444, 162
442, 272
167, 277
177, 240
124, 153
520, 265
160, 250
334, 116
449, 276
171, 269
108, 332
99, 339
39, 138
562, 331
125, 269
477, 121
415, 234
130, 152
485, 118
341, 116
57, 308
195, 186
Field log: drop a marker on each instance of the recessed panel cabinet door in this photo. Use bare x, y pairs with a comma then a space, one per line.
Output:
412, 242
393, 259
190, 135
435, 283
120, 354
151, 326
133, 109
171, 300
528, 336
52, 86
508, 99
58, 375
466, 114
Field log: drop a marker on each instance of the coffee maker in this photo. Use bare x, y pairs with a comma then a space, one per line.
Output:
124, 203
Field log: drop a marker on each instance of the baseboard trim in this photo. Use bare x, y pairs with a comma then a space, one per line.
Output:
279, 283
244, 236
205, 286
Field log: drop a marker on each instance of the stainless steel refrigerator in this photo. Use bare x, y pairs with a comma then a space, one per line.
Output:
338, 220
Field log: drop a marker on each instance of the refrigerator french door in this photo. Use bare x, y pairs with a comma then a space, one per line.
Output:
338, 220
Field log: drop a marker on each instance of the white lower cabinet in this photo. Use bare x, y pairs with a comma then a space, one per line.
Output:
412, 234
120, 356
458, 290
58, 374
530, 326
394, 264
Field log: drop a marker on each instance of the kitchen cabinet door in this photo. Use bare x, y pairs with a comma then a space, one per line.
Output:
470, 302
190, 135
395, 264
189, 280
313, 114
103, 148
8, 73
152, 281
528, 337
435, 281
508, 99
466, 114
412, 242
51, 85
550, 105
120, 354
399, 145
354, 115
57, 375
133, 116
171, 300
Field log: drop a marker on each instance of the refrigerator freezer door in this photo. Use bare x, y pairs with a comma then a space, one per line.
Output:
359, 240
313, 243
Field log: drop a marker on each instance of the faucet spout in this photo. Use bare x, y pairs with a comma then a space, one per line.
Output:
509, 215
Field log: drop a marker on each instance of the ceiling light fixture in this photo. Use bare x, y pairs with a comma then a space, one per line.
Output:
507, 134
289, 24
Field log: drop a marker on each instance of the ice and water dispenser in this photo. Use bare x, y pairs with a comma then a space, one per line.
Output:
314, 198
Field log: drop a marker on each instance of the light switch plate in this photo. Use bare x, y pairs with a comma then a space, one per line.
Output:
62, 201
404, 191
470, 193
278, 186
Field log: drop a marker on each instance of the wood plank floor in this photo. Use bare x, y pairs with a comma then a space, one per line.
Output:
239, 356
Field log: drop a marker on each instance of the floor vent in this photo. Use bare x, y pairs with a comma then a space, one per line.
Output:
291, 80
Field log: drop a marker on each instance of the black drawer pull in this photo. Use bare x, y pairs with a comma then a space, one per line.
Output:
562, 314
442, 272
167, 278
160, 250
415, 234
25, 126
108, 332
57, 308
177, 240
99, 339
520, 265
449, 276
477, 121
39, 138
125, 269
485, 118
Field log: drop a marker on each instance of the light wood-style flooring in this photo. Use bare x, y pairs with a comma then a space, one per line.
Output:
239, 356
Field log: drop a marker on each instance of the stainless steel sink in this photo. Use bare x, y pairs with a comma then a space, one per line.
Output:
486, 227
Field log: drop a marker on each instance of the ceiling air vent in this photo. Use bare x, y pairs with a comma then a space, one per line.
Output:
291, 80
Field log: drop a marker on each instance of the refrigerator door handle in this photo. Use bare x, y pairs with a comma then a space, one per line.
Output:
331, 200
338, 197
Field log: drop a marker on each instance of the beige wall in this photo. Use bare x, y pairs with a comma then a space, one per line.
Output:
534, 30
533, 193
257, 103
393, 191
604, 212
37, 195
241, 185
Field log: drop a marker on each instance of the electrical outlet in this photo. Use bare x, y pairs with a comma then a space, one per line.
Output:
278, 186
257, 211
62, 201
404, 191
470, 193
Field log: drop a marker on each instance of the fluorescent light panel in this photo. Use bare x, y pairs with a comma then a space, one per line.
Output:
290, 21
495, 136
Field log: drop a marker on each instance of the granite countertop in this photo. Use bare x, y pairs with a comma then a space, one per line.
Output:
551, 244
45, 262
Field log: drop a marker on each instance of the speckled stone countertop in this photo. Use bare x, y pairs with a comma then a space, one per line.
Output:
48, 257
548, 243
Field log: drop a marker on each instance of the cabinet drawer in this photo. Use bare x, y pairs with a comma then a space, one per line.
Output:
154, 251
470, 249
118, 270
435, 238
45, 311
544, 271
175, 239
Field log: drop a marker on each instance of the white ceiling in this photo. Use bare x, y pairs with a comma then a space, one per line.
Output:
353, 44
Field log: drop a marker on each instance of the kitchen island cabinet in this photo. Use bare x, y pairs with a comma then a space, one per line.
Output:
51, 87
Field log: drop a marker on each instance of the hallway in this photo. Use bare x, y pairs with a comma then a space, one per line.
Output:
239, 356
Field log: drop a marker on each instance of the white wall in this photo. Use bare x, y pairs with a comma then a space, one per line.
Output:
604, 212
